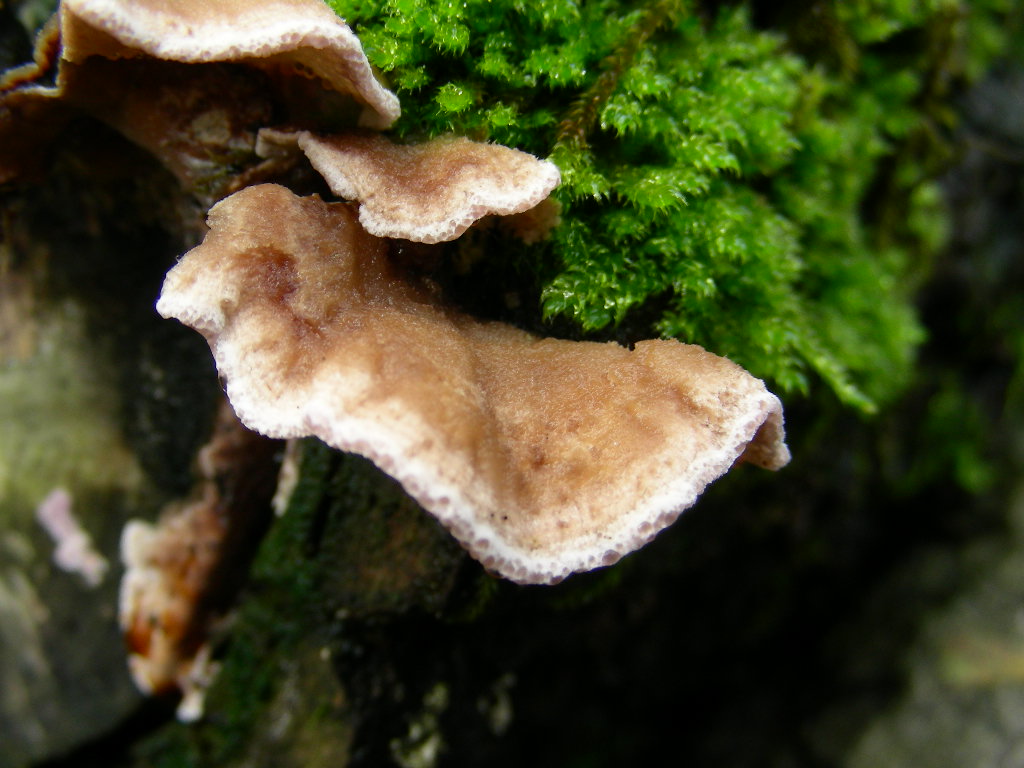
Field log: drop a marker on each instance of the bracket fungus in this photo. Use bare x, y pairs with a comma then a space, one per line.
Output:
429, 192
298, 36
190, 81
542, 456
182, 573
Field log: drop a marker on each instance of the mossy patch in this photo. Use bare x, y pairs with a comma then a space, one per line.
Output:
762, 192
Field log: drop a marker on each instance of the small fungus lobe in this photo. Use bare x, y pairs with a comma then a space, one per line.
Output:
542, 456
430, 192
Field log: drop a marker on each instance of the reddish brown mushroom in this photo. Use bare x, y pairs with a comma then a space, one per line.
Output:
183, 572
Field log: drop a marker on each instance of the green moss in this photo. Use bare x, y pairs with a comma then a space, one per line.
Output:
771, 207
383, 554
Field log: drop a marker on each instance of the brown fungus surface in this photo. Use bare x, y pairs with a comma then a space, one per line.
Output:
303, 37
430, 192
189, 81
543, 457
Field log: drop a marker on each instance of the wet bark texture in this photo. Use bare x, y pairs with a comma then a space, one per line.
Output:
842, 612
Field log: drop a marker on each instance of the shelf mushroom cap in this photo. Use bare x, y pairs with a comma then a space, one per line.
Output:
303, 35
429, 192
542, 456
188, 80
